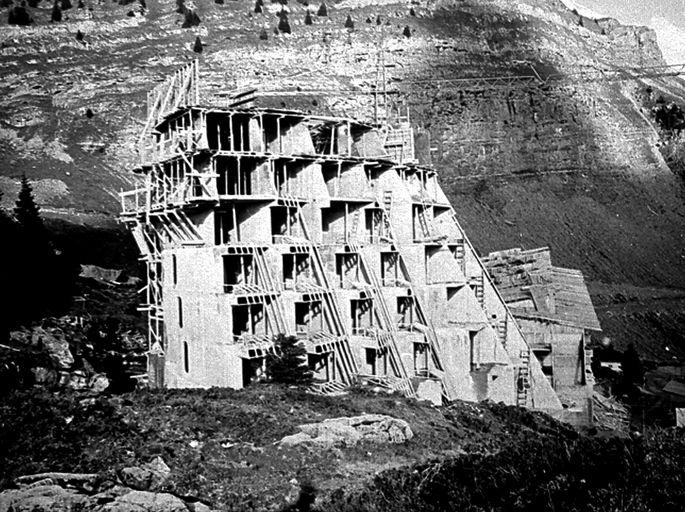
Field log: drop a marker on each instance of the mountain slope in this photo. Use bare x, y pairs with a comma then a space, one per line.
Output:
574, 164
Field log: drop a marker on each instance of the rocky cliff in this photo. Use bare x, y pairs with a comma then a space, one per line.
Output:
572, 161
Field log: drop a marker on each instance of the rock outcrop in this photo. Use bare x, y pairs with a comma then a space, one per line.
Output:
137, 490
343, 432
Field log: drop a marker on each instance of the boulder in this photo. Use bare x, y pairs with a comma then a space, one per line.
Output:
77, 380
46, 377
55, 346
144, 501
348, 431
84, 481
98, 382
149, 476
43, 498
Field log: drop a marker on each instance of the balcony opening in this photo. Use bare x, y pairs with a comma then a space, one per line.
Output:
347, 269
421, 352
219, 131
253, 370
370, 356
234, 176
296, 270
361, 311
284, 222
225, 227
240, 132
239, 270
308, 317
323, 366
390, 273
420, 222
405, 312
248, 319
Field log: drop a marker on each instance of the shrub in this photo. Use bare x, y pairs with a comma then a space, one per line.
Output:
407, 31
263, 35
349, 23
308, 18
323, 10
19, 16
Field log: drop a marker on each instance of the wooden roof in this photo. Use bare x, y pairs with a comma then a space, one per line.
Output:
534, 288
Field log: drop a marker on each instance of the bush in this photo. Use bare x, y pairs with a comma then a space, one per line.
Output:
323, 10
284, 24
19, 16
287, 364
349, 23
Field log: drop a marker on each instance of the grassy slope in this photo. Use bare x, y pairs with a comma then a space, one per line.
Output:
219, 444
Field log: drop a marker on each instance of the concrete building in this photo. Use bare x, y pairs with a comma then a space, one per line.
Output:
553, 309
256, 221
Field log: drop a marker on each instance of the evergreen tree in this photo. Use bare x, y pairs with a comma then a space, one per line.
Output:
191, 19
263, 35
288, 362
258, 7
220, 2
33, 3
284, 24
412, 12
66, 4
180, 7
308, 18
56, 15
26, 210
632, 368
79, 35
407, 31
348, 22
378, 20
81, 5
197, 47
323, 10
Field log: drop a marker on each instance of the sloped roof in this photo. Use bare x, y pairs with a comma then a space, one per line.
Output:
534, 288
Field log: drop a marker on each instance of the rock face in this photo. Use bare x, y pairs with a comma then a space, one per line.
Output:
43, 498
342, 432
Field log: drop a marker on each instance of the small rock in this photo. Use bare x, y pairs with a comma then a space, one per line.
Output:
98, 382
149, 476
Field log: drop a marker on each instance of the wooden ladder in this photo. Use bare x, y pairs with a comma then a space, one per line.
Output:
523, 379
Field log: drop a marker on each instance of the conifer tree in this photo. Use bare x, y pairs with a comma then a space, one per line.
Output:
284, 24
66, 5
79, 35
412, 12
197, 47
26, 210
81, 5
56, 15
263, 35
191, 19
308, 18
378, 20
258, 7
323, 10
288, 363
348, 22
407, 31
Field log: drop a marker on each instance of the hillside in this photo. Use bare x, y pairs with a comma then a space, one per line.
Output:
222, 450
573, 164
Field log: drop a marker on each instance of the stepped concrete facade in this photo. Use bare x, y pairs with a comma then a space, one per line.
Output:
256, 222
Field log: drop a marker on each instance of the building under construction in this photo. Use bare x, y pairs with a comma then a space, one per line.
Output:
255, 222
